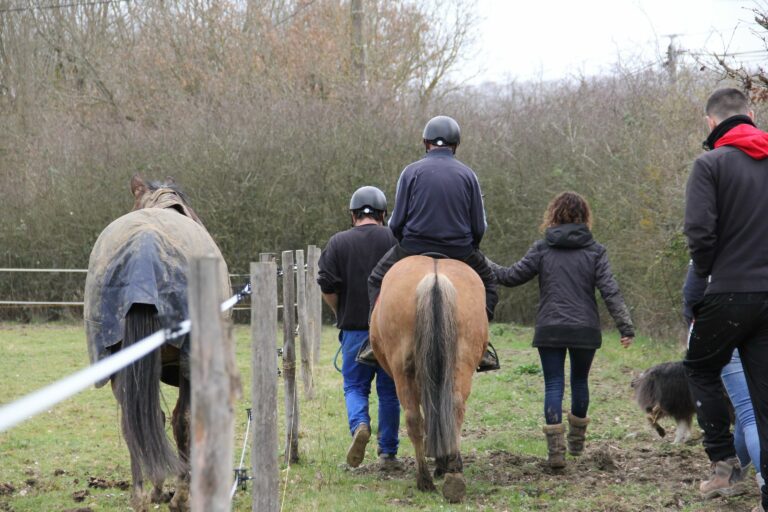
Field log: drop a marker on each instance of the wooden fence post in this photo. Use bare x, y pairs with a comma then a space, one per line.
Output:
289, 362
315, 301
305, 333
266, 257
212, 428
264, 467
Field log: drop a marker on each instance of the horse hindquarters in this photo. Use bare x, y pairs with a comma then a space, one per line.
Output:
137, 389
435, 346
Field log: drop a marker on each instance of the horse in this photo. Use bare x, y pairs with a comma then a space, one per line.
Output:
137, 284
429, 331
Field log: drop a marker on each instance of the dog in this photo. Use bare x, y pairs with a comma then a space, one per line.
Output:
662, 391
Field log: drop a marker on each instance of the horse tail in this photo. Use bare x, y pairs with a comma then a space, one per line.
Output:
436, 337
137, 388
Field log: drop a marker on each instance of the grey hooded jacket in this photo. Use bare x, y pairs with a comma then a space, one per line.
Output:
570, 265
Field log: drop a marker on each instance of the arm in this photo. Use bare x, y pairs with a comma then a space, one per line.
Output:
701, 218
609, 290
477, 211
399, 212
522, 271
693, 291
328, 276
332, 299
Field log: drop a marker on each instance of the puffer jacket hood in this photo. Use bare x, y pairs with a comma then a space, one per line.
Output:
569, 236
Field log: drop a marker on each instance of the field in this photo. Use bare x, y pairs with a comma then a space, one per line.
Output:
72, 458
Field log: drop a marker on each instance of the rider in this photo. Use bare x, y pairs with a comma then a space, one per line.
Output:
439, 209
345, 264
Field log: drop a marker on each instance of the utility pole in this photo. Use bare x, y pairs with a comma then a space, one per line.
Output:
672, 55
358, 40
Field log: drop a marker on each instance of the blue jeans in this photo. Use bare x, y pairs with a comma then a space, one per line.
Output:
745, 437
357, 389
553, 365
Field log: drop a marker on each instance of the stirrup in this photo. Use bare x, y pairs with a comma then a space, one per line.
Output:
490, 360
365, 355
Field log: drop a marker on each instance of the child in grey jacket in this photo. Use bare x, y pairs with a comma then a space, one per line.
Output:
570, 264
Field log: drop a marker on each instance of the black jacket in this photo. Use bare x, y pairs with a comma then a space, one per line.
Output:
344, 267
438, 206
726, 212
570, 265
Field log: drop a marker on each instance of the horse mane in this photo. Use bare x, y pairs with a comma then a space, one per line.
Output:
157, 185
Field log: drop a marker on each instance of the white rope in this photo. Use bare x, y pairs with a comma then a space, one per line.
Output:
63, 270
38, 401
242, 457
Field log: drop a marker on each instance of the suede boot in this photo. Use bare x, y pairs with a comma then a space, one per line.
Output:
577, 432
555, 445
726, 480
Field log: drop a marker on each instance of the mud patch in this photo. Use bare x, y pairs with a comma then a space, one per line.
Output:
102, 483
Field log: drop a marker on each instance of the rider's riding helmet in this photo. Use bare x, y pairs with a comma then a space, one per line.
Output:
442, 131
368, 200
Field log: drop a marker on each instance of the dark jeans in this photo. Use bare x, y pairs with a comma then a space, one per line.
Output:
724, 322
553, 365
475, 259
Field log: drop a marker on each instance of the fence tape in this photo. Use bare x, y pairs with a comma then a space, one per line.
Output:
39, 401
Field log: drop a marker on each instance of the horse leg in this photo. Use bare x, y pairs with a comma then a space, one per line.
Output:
415, 424
180, 422
139, 500
158, 496
455, 488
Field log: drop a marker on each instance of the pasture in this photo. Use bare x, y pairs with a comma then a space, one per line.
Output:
73, 458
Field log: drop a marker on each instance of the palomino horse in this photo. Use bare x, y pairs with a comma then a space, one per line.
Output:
137, 284
428, 331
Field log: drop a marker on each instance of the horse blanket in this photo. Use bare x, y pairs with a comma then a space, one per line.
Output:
142, 258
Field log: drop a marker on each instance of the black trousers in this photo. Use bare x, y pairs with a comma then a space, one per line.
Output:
723, 322
475, 259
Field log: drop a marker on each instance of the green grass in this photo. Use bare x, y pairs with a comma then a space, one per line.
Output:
51, 457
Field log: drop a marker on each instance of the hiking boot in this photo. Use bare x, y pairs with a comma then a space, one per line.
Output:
356, 452
490, 360
365, 355
555, 445
726, 479
390, 462
577, 431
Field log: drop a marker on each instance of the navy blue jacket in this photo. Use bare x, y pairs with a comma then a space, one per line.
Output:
438, 206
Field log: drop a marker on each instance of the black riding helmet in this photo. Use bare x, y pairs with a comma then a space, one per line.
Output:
368, 198
442, 131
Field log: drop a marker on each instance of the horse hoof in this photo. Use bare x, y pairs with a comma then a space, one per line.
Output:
425, 485
454, 488
139, 501
161, 496
180, 502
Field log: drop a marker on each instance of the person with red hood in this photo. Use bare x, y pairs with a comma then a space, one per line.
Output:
726, 223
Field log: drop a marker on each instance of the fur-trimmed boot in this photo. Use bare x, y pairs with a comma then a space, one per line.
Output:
577, 431
555, 445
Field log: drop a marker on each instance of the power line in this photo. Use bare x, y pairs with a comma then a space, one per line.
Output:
61, 6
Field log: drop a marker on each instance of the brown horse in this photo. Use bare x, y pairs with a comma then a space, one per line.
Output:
137, 284
428, 331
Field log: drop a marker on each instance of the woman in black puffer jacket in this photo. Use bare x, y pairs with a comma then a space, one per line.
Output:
570, 265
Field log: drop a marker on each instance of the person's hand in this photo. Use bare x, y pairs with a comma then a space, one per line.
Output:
626, 341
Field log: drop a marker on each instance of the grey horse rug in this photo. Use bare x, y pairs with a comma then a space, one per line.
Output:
142, 258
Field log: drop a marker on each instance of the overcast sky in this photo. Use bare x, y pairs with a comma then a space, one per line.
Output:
550, 39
